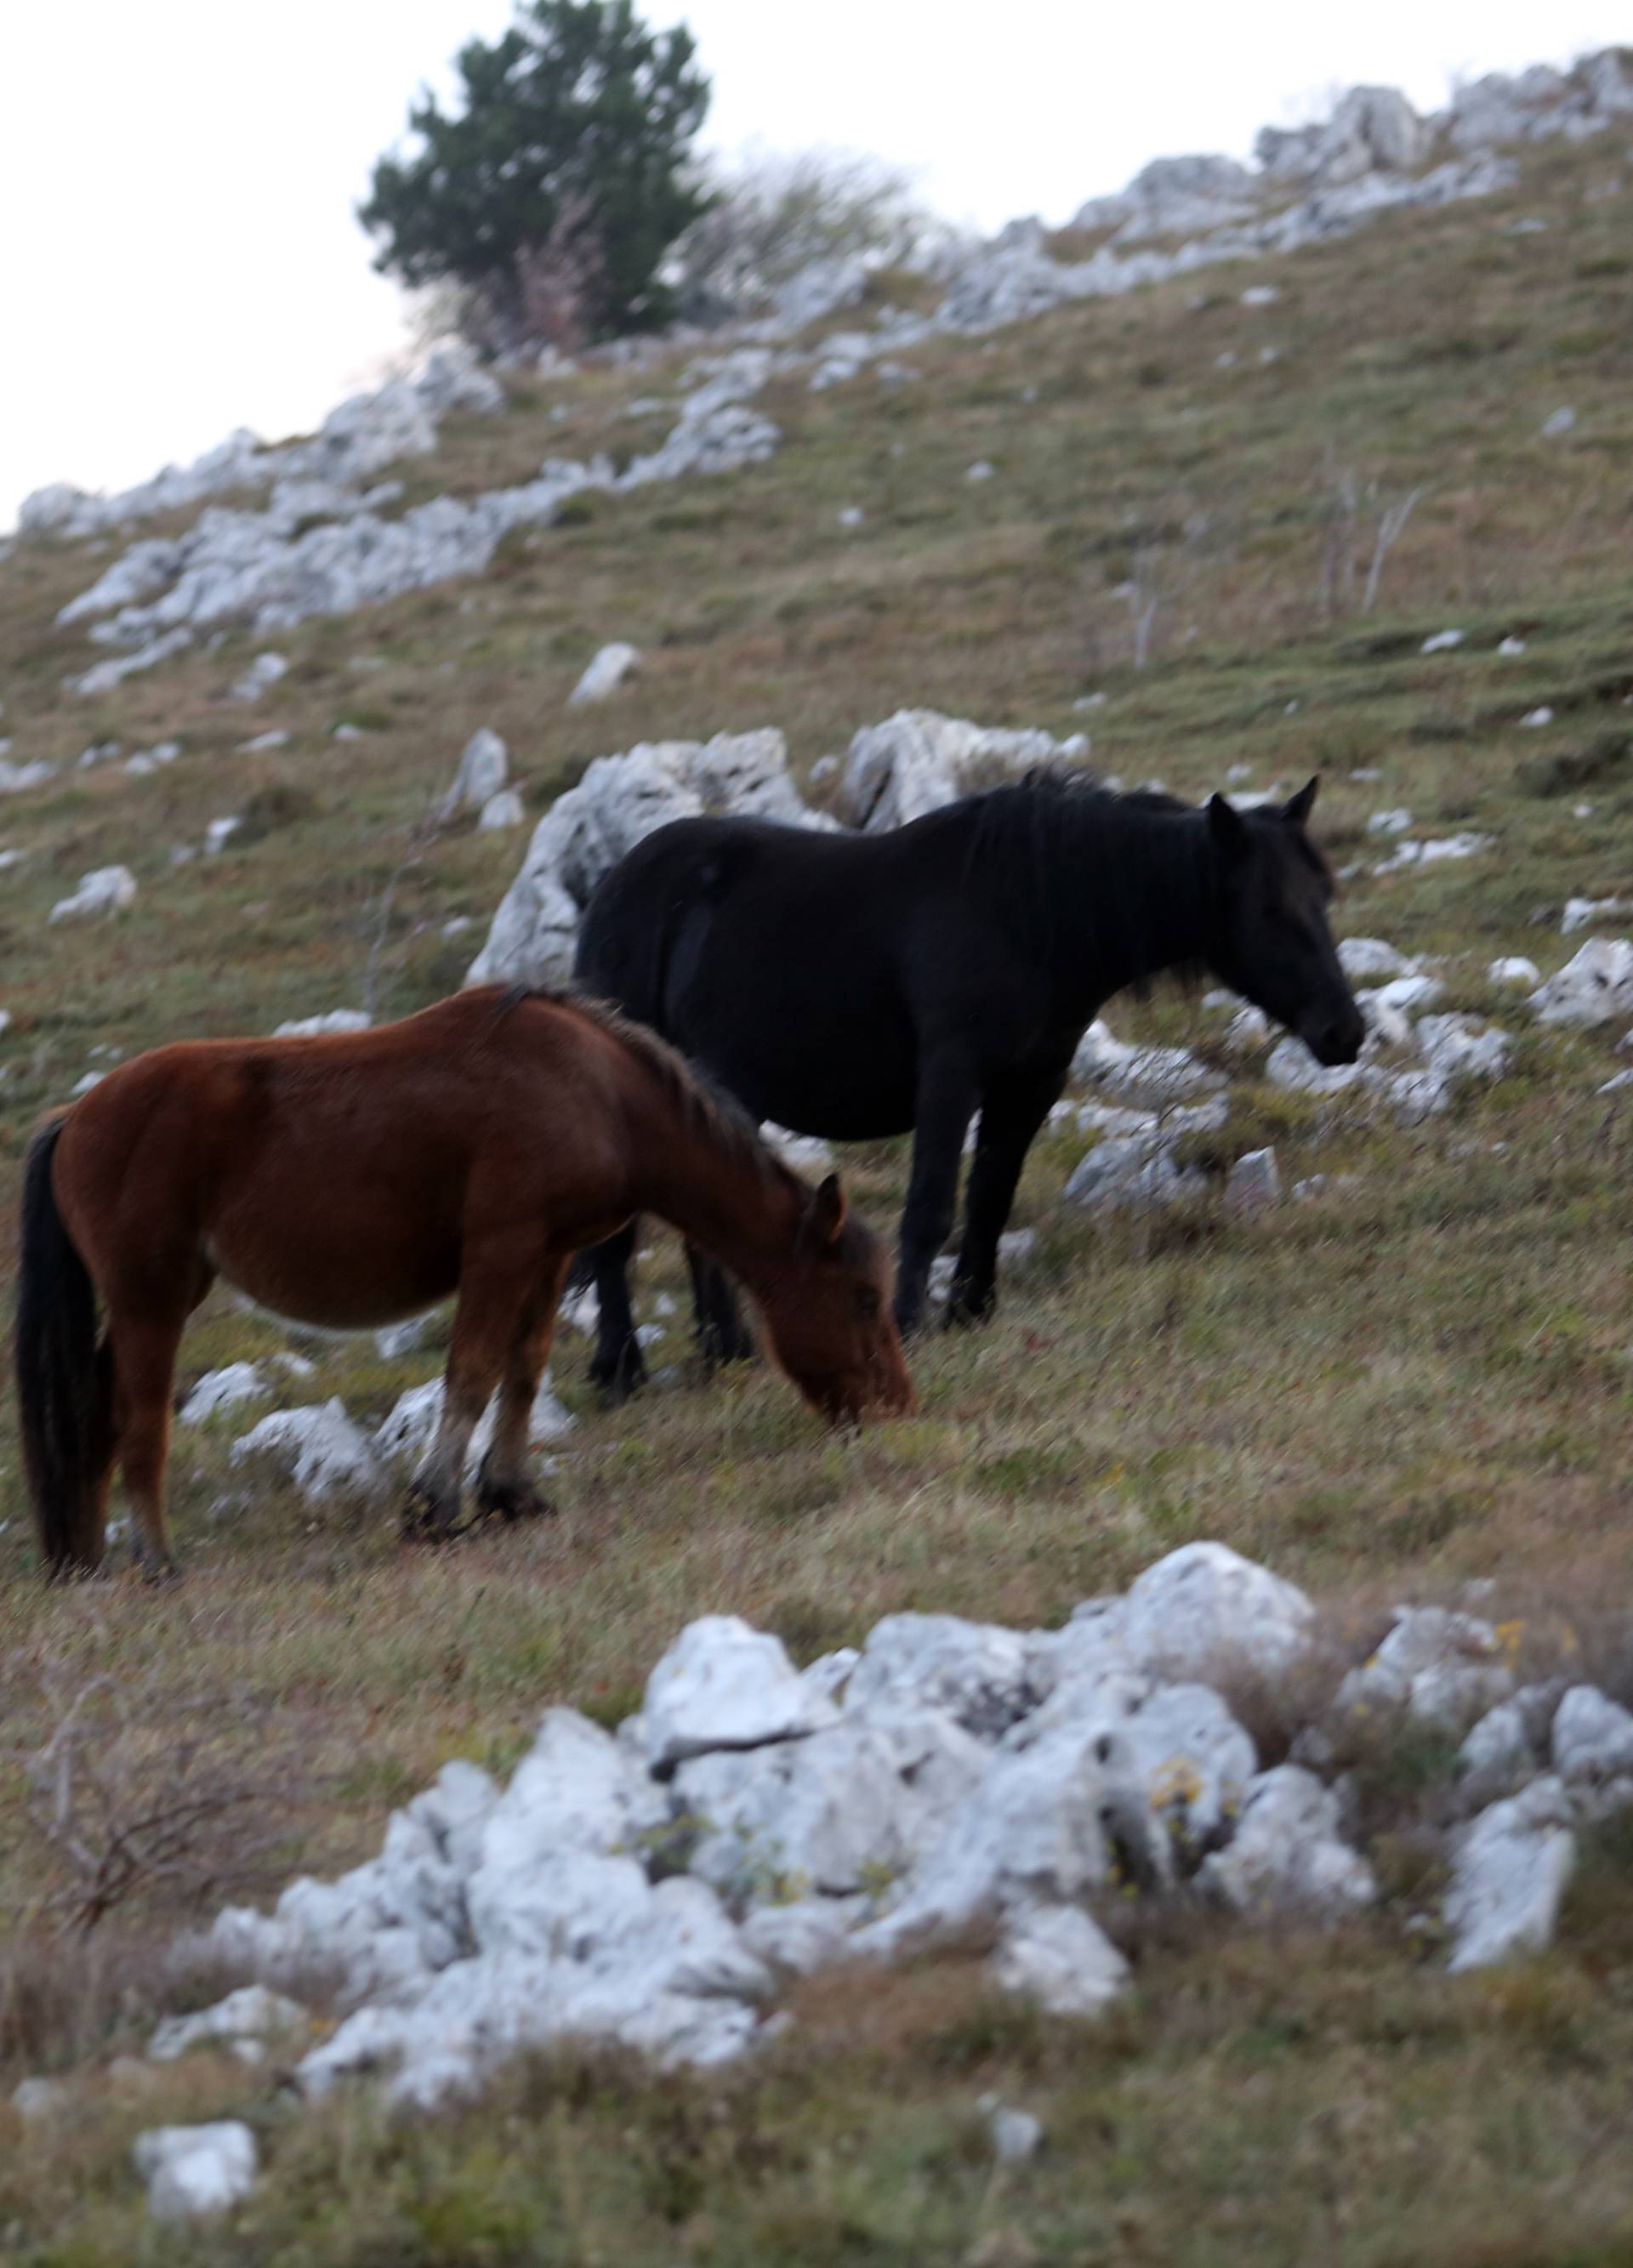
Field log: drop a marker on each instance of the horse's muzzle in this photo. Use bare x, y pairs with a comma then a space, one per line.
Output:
1334, 1040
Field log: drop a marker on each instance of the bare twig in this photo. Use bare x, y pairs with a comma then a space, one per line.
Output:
1391, 524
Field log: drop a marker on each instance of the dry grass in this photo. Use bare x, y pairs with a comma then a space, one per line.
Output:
1416, 1383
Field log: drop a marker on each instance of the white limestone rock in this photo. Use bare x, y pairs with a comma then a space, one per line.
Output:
484, 768
105, 891
801, 1937
331, 1019
1514, 968
1057, 1955
318, 1448
228, 1389
1131, 1174
405, 1434
1254, 1182
1594, 986
195, 2172
1291, 1066
1510, 1870
1592, 1750
35, 2099
262, 673
1370, 960
977, 1672
1441, 1666
244, 2021
605, 674
844, 1811
1287, 1853
918, 760
500, 812
620, 801
1204, 1611
723, 1685
1458, 1048
1505, 1748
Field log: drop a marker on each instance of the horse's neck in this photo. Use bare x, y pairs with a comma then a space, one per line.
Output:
742, 1213
1134, 904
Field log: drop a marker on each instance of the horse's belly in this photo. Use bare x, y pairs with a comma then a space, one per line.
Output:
341, 1283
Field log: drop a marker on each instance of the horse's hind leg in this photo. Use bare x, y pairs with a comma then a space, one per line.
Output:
505, 1484
618, 1368
723, 1335
143, 1350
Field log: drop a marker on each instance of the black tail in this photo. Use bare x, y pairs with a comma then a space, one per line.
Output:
63, 1378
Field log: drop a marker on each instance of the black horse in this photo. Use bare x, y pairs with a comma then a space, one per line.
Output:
853, 986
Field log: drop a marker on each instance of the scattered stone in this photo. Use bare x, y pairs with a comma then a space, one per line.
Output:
1016, 2135
1441, 642
1593, 1747
1558, 422
264, 672
398, 1339
1131, 1174
1538, 716
405, 1434
223, 1389
1514, 968
1511, 1867
1056, 1955
1365, 960
500, 812
1580, 912
219, 832
1254, 1182
605, 674
37, 2099
318, 1448
105, 891
195, 2171
981, 471
1595, 985
1511, 647
332, 1019
484, 767
246, 2020
1389, 822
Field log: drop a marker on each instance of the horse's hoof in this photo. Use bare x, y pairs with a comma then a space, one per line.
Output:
426, 1519
512, 1500
623, 1375
965, 1308
157, 1569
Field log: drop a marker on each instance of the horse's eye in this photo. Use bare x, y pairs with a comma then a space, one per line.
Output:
866, 1300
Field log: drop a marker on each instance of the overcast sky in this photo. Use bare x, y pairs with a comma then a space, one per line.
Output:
178, 253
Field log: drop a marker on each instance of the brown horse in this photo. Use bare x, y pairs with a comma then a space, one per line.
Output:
354, 1179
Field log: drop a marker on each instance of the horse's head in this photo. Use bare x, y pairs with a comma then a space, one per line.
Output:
830, 1316
1272, 943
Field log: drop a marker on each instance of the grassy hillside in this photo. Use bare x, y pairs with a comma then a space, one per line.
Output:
1423, 1380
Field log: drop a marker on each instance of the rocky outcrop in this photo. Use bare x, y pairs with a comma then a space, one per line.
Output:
754, 1822
365, 434
619, 800
919, 759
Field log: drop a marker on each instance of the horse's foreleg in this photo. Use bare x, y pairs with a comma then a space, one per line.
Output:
487, 1320
723, 1335
616, 1368
1011, 1114
505, 1484
946, 1103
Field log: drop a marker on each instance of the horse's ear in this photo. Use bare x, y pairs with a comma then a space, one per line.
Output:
1228, 827
827, 1212
1300, 806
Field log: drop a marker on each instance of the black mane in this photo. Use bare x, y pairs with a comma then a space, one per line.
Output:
1127, 864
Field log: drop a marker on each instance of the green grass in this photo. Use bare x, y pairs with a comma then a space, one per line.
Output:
1422, 1378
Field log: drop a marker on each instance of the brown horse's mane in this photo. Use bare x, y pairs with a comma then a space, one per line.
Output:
706, 1108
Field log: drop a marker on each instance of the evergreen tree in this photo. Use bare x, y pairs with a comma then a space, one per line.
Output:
554, 189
